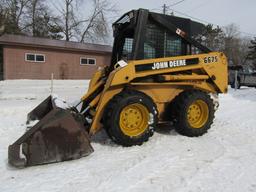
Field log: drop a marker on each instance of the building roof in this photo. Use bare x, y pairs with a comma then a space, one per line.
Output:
53, 44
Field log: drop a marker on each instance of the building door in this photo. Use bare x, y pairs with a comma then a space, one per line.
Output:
1, 63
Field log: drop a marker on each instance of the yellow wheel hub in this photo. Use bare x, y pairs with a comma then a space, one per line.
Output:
134, 119
198, 114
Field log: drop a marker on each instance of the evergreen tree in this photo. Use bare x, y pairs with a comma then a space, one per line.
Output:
213, 37
14, 15
2, 20
252, 52
39, 21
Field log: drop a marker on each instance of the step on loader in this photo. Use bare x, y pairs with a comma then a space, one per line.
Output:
158, 73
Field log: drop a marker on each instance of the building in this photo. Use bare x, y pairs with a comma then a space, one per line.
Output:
23, 57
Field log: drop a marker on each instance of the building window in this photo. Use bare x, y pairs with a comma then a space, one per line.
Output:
34, 57
30, 57
87, 61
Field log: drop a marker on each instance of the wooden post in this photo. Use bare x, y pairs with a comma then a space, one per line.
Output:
52, 83
236, 72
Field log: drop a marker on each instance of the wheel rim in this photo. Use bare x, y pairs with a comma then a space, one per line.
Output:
198, 114
134, 119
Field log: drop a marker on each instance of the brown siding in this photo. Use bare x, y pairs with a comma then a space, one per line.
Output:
64, 64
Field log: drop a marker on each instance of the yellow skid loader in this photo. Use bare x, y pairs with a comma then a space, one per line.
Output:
158, 73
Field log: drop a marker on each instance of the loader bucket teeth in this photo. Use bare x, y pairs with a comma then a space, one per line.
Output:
58, 136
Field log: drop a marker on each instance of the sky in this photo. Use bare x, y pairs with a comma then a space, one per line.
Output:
218, 12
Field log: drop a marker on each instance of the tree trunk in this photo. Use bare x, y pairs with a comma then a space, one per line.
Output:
66, 21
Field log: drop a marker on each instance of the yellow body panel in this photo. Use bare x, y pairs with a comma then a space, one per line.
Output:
97, 75
213, 69
208, 74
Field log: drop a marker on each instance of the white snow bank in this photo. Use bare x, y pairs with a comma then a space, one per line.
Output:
59, 102
222, 160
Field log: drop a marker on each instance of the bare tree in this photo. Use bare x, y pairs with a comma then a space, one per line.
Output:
96, 26
244, 50
67, 21
232, 31
40, 22
36, 9
84, 26
232, 42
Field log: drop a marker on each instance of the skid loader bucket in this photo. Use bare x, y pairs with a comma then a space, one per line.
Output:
58, 136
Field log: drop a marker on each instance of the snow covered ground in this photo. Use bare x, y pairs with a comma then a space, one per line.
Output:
222, 160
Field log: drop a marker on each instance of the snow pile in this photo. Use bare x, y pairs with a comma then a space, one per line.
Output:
222, 160
59, 102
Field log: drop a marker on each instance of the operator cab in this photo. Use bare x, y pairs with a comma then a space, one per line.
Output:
140, 34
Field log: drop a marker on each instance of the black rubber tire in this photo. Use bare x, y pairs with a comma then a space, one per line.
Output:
112, 115
179, 115
169, 111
